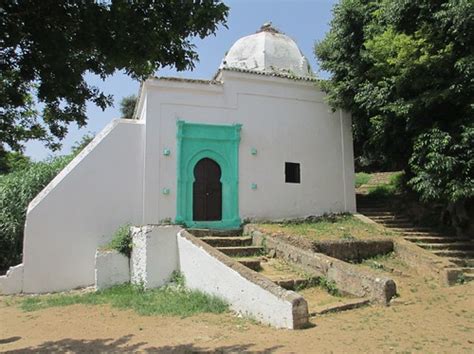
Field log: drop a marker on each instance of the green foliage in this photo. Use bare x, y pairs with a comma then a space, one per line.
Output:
81, 144
444, 165
122, 240
48, 47
17, 189
361, 178
11, 161
168, 301
177, 278
127, 106
326, 284
405, 69
461, 279
402, 68
387, 190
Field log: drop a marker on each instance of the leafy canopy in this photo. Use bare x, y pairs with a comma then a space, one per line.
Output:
127, 106
47, 46
405, 69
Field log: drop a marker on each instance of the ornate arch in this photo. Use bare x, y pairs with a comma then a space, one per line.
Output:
221, 144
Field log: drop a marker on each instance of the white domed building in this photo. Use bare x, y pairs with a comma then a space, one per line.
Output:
256, 142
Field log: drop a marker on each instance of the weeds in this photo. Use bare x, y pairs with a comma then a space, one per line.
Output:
122, 240
321, 282
461, 279
376, 262
329, 285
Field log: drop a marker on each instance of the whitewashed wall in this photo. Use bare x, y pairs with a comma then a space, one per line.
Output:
285, 120
205, 272
111, 268
154, 255
82, 207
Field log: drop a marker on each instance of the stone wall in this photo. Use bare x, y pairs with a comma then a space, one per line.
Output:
348, 278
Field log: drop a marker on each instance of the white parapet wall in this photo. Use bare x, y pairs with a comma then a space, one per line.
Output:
247, 292
12, 282
111, 268
100, 190
154, 255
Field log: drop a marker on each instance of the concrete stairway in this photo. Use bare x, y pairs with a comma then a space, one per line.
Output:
233, 244
458, 250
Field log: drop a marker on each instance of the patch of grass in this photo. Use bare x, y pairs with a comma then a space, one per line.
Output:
329, 285
382, 191
386, 190
362, 178
377, 261
343, 226
172, 300
461, 279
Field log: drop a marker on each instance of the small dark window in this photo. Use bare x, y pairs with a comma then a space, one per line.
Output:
292, 172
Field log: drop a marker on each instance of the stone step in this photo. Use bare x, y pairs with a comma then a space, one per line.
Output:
244, 251
250, 262
421, 233
348, 304
468, 277
371, 201
226, 241
465, 270
455, 246
292, 283
435, 239
372, 210
214, 232
455, 254
396, 224
390, 217
379, 211
413, 229
462, 262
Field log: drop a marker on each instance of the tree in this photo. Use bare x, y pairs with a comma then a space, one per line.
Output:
11, 161
81, 144
127, 106
405, 69
47, 46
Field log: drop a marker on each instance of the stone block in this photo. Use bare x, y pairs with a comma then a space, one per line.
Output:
111, 268
155, 255
12, 282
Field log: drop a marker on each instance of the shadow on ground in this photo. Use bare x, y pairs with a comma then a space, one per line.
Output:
121, 345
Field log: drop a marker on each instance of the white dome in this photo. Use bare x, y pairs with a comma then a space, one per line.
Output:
267, 51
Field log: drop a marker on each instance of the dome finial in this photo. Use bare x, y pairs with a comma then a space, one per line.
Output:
268, 27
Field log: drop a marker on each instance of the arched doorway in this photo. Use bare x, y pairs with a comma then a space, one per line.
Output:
207, 191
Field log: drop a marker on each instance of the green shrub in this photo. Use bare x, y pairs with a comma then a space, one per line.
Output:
122, 240
17, 189
361, 178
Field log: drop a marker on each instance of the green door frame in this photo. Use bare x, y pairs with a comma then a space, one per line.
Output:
221, 144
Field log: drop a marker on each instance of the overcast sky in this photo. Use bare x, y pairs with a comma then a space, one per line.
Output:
306, 21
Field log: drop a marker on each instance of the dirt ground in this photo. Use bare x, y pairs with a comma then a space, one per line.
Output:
425, 318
